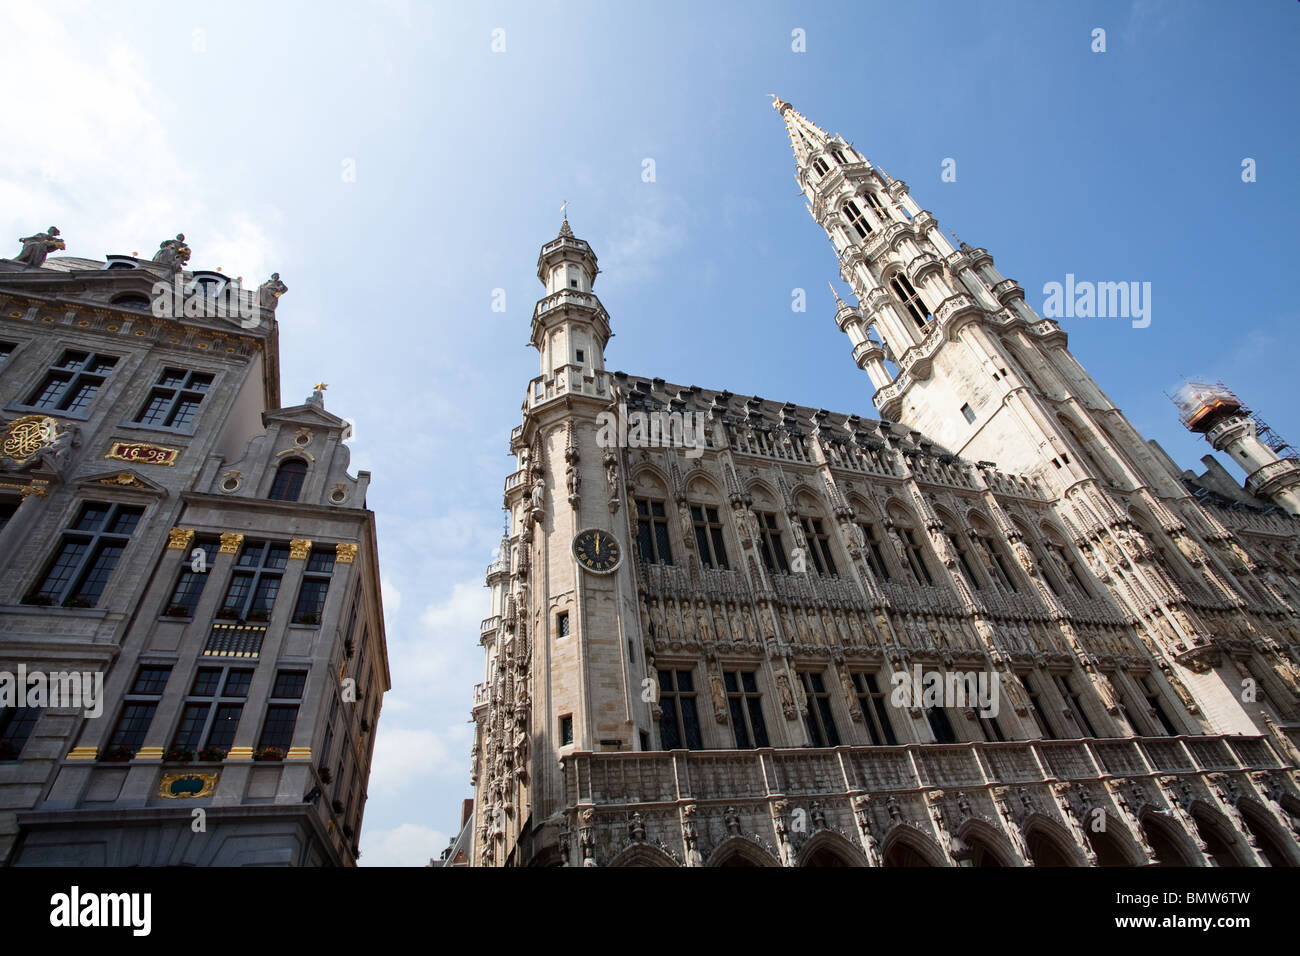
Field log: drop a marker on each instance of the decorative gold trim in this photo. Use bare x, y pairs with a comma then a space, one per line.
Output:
209, 784
37, 487
298, 753
149, 753
123, 478
141, 453
346, 553
178, 539
83, 753
240, 753
230, 542
27, 435
300, 450
299, 548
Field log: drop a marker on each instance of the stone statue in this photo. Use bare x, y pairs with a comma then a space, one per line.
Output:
173, 253
539, 494
610, 461
719, 697
787, 698
573, 479
37, 247
269, 292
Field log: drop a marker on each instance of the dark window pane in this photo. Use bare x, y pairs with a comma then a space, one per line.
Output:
93, 584
224, 725
132, 726
278, 729
756, 721
150, 680
63, 568
92, 517
288, 480
190, 730
289, 684
738, 723
237, 683
691, 724
206, 682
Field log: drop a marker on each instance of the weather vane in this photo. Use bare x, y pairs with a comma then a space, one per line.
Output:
564, 209
321, 386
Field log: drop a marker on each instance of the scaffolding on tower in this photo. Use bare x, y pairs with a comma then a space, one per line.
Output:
1202, 405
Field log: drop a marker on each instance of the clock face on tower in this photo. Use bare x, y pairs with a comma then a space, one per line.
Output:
597, 551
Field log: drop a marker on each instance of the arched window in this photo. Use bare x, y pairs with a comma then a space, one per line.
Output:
838, 157
910, 300
288, 480
858, 221
819, 165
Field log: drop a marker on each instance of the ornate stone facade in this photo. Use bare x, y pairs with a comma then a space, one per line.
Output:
730, 693
166, 524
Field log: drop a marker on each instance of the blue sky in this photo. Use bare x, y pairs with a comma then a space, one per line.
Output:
234, 123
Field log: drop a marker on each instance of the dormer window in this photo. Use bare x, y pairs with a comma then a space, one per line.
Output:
288, 480
131, 300
208, 286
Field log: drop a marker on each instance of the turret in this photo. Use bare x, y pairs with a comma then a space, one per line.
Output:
1272, 471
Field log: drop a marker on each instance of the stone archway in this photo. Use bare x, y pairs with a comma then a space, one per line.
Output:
982, 846
830, 849
1050, 845
643, 856
1221, 842
1109, 850
908, 847
1273, 843
737, 851
1170, 846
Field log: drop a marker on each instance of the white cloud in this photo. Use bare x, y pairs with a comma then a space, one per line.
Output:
635, 248
408, 844
403, 756
91, 146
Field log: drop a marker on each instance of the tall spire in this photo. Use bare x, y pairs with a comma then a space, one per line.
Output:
806, 137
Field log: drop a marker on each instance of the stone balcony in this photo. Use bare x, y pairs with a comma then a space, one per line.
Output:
1002, 804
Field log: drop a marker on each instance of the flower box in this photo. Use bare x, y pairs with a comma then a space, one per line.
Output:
268, 753
78, 602
117, 755
214, 754
177, 610
38, 600
178, 755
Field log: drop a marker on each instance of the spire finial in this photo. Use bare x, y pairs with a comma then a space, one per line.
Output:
838, 300
778, 104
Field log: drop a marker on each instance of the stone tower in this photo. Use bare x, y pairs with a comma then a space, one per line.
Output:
963, 359
712, 614
1272, 471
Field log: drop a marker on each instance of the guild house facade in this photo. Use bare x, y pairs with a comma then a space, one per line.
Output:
991, 626
173, 536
